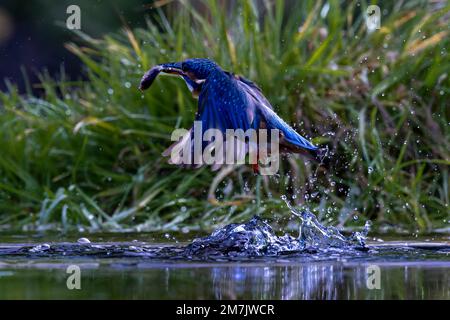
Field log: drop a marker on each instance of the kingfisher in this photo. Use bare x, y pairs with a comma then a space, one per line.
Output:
230, 101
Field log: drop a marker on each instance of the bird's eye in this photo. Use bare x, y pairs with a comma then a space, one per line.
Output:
183, 67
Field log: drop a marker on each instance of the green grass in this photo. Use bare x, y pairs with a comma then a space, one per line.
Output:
89, 152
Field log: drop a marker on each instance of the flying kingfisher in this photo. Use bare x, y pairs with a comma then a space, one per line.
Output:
229, 101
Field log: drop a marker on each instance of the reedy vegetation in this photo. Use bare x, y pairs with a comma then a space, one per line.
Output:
89, 152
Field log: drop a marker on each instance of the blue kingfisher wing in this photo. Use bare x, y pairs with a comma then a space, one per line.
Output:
231, 102
227, 101
291, 136
224, 105
253, 91
272, 120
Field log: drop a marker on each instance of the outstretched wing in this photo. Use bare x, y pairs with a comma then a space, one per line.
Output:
253, 92
223, 104
289, 135
270, 118
228, 101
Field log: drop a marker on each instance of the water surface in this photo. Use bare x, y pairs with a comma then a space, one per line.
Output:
142, 266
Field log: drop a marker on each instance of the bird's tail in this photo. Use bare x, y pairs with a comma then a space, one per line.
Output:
289, 135
293, 141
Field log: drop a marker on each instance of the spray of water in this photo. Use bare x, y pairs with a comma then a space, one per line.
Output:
257, 238
254, 238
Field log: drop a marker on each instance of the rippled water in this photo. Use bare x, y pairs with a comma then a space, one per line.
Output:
237, 261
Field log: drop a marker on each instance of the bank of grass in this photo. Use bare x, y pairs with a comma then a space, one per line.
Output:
89, 152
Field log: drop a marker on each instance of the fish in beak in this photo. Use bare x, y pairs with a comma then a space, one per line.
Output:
150, 75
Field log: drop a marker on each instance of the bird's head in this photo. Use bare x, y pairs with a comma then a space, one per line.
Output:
196, 69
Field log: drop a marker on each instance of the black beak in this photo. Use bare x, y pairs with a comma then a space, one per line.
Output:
150, 75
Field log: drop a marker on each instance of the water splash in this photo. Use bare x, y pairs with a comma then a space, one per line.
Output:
254, 238
316, 235
257, 238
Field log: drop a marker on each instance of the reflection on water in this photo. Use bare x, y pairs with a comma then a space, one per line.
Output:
319, 281
408, 271
306, 281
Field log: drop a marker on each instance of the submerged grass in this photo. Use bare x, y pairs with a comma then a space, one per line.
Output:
88, 153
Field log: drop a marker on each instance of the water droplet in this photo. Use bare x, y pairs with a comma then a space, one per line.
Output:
110, 91
135, 249
185, 230
83, 240
40, 248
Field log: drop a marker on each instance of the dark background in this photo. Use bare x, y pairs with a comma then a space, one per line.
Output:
33, 33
